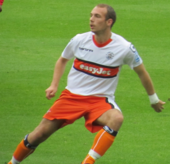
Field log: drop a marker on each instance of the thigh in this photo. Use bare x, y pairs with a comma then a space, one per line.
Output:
68, 107
49, 126
100, 110
112, 118
107, 117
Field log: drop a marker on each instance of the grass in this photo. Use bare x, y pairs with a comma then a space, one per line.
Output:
32, 37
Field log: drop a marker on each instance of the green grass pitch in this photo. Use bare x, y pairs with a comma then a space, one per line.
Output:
32, 36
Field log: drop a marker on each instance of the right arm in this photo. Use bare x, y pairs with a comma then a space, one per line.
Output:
58, 72
67, 54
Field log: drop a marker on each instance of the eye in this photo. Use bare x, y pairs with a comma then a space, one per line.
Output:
97, 16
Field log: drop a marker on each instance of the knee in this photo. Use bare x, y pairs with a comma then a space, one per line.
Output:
115, 120
118, 118
40, 135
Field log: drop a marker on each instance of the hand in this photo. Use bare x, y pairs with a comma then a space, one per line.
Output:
0, 8
50, 92
158, 107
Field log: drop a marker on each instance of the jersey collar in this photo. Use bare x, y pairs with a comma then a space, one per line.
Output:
102, 44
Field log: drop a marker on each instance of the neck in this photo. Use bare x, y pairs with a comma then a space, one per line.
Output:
102, 38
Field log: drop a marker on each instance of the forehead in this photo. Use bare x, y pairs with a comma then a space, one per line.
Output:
99, 10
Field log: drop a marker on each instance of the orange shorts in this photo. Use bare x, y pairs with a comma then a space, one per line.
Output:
70, 107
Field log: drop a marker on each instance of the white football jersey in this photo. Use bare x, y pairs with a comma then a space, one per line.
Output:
96, 67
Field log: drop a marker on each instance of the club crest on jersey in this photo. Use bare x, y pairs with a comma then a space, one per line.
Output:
110, 55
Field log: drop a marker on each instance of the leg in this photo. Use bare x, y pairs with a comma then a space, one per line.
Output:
112, 121
44, 130
31, 141
112, 118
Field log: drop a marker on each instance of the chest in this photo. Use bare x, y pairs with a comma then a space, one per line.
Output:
109, 55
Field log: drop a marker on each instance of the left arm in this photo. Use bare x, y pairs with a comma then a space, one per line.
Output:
148, 85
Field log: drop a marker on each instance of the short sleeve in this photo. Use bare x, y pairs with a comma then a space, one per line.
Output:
68, 52
132, 57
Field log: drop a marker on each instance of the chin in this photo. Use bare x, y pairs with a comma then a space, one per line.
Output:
93, 31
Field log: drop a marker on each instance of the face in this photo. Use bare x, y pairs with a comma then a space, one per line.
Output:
98, 22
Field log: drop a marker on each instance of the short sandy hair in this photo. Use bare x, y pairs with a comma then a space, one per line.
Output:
111, 14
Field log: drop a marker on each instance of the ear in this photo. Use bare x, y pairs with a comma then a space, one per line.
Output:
109, 22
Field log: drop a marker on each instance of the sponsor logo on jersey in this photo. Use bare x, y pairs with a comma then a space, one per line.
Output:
94, 69
85, 49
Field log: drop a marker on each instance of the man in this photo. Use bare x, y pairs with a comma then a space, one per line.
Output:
1, 3
99, 56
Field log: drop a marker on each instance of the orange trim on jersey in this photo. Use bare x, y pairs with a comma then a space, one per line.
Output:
94, 69
101, 44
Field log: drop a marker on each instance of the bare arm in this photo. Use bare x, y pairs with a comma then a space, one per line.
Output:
58, 72
148, 85
145, 79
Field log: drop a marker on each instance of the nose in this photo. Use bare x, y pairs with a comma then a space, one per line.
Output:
91, 19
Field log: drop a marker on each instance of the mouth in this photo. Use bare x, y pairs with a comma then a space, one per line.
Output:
92, 26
